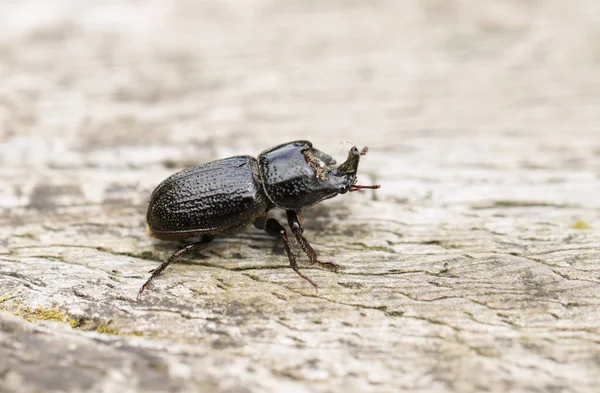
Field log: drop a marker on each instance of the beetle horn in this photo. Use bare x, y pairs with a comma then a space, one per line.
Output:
351, 164
350, 167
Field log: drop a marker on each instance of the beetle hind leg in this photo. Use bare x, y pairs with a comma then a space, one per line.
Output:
298, 230
202, 243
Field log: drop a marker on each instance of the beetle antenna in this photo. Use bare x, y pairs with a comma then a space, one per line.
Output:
357, 187
364, 151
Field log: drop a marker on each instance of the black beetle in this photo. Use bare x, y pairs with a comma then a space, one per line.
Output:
228, 195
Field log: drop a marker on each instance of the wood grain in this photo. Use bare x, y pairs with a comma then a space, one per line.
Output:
476, 266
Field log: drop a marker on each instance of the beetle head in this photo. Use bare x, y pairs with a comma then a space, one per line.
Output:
296, 175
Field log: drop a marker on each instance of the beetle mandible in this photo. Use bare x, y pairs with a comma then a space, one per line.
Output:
227, 196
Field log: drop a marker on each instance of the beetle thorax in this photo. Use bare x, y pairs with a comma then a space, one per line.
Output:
296, 176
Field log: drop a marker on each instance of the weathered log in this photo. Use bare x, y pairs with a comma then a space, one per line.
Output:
475, 267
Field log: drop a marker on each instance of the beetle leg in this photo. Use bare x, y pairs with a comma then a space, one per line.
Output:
193, 246
298, 230
261, 222
274, 228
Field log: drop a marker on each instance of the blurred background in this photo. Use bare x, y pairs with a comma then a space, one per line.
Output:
134, 83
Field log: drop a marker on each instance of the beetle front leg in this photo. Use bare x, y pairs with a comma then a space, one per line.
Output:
274, 228
155, 272
298, 230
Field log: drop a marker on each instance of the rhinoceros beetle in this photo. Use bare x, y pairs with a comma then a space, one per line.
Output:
227, 196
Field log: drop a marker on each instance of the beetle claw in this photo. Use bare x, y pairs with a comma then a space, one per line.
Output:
329, 265
139, 295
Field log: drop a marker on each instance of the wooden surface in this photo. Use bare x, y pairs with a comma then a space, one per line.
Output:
476, 266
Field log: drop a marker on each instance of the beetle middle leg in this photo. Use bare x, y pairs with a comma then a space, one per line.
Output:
298, 230
274, 228
202, 243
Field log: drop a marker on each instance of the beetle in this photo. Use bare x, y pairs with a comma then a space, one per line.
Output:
227, 196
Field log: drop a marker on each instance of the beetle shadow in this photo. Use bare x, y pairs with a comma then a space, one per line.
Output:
319, 220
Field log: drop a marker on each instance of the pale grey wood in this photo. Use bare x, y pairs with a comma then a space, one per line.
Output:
475, 267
